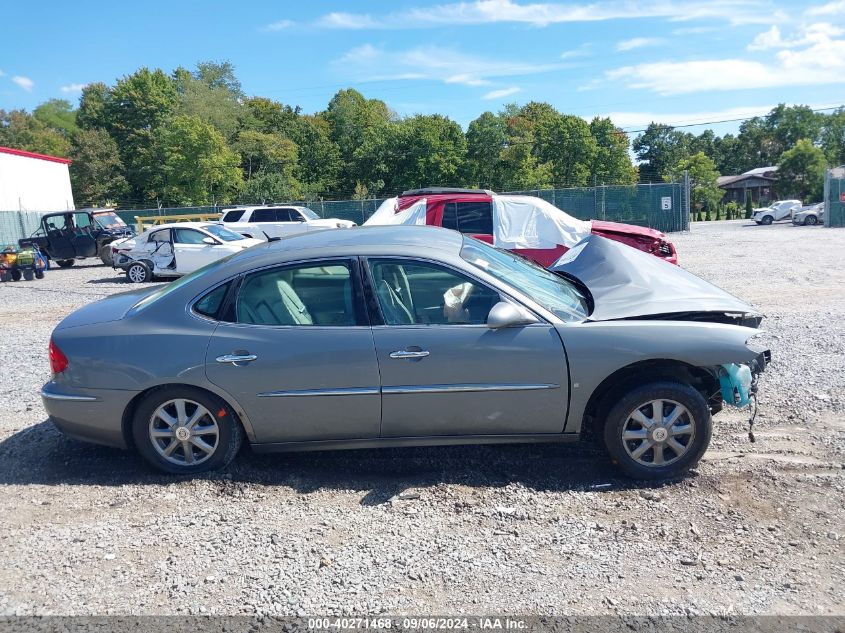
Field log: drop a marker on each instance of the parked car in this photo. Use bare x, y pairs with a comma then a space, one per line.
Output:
809, 215
264, 222
526, 225
173, 250
399, 336
781, 210
67, 236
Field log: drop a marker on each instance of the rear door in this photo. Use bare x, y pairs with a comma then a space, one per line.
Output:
192, 252
307, 368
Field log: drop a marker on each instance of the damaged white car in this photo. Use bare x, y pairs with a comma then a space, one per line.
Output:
173, 250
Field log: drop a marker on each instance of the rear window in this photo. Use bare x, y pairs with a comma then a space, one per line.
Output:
474, 218
233, 216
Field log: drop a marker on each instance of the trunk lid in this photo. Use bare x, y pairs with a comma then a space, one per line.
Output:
626, 283
111, 308
633, 230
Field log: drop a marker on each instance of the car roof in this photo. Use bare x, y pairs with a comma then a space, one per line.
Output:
182, 225
437, 191
252, 207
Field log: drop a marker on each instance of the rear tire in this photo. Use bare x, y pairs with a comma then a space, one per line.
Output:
105, 254
65, 263
658, 430
139, 273
15, 274
185, 431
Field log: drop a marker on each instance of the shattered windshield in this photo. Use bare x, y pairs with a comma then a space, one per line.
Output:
546, 288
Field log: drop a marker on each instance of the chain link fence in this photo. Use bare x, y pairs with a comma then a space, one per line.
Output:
662, 206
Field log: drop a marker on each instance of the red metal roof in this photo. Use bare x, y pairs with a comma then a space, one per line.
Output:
20, 152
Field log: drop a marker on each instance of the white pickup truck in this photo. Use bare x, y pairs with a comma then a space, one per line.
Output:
781, 210
262, 222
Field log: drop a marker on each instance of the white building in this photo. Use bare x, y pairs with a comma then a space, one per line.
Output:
34, 182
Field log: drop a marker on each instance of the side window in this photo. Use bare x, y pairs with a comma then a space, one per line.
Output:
264, 215
284, 215
450, 216
188, 236
424, 293
160, 236
307, 295
210, 304
475, 218
81, 220
233, 216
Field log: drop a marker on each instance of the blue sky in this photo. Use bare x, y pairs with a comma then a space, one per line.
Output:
675, 61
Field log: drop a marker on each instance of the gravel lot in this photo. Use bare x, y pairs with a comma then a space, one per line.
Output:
757, 528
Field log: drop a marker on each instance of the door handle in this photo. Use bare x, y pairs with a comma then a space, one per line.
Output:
409, 353
236, 358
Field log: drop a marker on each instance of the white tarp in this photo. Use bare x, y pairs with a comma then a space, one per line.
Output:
529, 222
518, 222
386, 213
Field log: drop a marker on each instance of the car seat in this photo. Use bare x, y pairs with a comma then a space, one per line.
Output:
391, 284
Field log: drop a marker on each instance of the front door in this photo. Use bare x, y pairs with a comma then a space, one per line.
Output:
444, 372
191, 252
299, 356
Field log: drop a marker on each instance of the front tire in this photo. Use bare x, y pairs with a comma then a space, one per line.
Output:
185, 430
658, 430
766, 220
811, 220
65, 263
139, 273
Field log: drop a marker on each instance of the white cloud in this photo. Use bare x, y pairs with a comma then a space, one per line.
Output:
637, 42
831, 8
504, 92
371, 63
542, 14
279, 25
813, 57
582, 51
72, 88
24, 82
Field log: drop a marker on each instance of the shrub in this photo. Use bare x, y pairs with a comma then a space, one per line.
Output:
749, 205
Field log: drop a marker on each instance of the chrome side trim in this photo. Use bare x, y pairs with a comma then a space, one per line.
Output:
469, 387
351, 391
62, 396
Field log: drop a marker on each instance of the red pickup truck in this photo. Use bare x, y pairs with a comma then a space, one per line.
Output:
526, 225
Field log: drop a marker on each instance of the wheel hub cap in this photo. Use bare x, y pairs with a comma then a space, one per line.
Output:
658, 433
184, 432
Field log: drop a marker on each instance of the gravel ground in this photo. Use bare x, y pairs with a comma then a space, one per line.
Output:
755, 529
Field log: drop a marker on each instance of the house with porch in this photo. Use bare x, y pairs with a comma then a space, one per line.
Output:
760, 182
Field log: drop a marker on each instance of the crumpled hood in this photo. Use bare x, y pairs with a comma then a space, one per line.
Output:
601, 226
627, 283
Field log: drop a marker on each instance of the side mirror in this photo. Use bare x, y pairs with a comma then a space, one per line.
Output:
209, 240
505, 314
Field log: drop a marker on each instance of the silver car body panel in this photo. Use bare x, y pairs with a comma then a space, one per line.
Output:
625, 282
334, 387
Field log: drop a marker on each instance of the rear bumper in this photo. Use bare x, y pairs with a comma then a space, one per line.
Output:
90, 415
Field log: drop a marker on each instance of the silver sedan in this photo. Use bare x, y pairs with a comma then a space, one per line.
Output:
399, 336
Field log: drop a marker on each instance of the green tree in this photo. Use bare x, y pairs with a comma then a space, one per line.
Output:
91, 112
833, 137
801, 171
96, 172
486, 139
210, 99
659, 149
319, 167
266, 153
20, 130
193, 164
354, 120
270, 187
419, 151
612, 161
749, 205
565, 143
703, 177
57, 114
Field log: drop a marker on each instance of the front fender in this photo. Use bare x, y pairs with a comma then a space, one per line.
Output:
598, 349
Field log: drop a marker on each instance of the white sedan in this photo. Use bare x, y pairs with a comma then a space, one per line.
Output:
173, 250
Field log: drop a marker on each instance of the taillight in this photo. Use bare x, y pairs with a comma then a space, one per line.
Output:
58, 361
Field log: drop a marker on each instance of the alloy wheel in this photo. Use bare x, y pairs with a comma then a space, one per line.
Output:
184, 432
658, 433
137, 274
